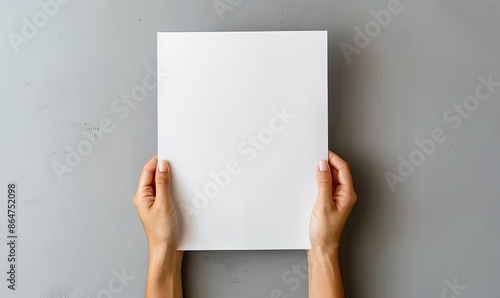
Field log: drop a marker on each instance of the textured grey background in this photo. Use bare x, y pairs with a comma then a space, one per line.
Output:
439, 226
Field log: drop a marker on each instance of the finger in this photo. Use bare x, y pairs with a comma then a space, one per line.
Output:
324, 179
148, 172
344, 177
163, 183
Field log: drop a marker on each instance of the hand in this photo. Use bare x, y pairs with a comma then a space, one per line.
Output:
154, 206
334, 203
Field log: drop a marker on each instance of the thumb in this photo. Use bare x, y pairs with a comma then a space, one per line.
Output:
324, 179
162, 182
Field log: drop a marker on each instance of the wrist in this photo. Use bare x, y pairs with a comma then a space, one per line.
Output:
323, 253
320, 260
162, 248
165, 257
164, 274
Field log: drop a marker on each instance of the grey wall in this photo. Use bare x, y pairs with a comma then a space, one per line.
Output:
438, 227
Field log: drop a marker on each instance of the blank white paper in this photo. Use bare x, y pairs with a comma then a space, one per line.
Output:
242, 120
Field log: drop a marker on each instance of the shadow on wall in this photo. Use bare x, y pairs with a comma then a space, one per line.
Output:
347, 130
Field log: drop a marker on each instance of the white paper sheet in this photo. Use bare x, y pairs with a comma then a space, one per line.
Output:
242, 119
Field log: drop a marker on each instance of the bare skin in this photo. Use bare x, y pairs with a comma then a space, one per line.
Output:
334, 202
154, 206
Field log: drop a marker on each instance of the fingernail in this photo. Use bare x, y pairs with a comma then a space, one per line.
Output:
323, 166
162, 166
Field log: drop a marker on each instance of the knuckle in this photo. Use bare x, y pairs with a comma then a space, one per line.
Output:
354, 198
162, 180
325, 180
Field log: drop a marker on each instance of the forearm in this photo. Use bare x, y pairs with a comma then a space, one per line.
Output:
164, 275
325, 280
